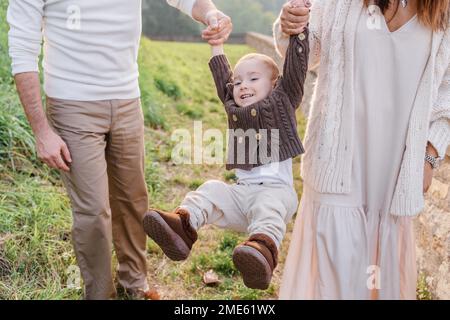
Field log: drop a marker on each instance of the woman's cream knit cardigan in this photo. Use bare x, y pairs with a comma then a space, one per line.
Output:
329, 142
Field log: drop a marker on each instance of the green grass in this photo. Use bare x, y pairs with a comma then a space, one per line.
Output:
230, 176
423, 292
35, 224
189, 110
219, 260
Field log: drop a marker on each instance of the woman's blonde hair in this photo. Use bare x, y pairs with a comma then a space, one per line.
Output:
432, 13
265, 59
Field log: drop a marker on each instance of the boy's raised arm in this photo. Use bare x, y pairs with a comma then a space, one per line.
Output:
296, 67
221, 71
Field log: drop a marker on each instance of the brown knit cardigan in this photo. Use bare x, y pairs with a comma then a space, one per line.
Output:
257, 121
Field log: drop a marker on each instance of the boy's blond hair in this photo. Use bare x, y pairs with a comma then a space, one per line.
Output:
263, 58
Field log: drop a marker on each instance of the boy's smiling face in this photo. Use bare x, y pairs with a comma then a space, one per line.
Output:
253, 82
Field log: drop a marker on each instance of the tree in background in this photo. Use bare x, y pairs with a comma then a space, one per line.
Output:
159, 19
248, 15
273, 5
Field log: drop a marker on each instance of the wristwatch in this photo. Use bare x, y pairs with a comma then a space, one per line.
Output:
432, 160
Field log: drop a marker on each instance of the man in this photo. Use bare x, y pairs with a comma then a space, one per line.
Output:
94, 130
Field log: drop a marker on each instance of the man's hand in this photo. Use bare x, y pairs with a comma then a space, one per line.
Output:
218, 24
52, 150
294, 18
219, 27
49, 146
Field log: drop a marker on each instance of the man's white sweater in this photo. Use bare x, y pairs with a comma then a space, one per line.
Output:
90, 46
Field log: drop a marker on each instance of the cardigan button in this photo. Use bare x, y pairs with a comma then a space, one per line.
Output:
253, 112
258, 136
235, 118
302, 36
300, 50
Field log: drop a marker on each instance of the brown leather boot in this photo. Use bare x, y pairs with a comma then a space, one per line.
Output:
171, 231
256, 259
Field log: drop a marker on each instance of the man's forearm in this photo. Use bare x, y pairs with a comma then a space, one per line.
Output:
29, 89
201, 8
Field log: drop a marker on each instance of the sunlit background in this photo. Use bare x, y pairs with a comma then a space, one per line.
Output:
247, 15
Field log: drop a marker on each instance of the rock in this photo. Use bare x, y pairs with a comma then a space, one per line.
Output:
439, 190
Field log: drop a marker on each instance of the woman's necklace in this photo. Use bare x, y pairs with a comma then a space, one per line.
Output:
404, 3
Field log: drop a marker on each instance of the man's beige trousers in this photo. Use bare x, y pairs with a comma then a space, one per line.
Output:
107, 189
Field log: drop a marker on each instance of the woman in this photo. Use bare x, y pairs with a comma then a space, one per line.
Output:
381, 106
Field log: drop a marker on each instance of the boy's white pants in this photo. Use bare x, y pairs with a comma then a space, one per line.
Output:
252, 208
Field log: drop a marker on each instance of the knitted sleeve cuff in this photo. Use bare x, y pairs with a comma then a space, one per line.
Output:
220, 63
25, 65
439, 136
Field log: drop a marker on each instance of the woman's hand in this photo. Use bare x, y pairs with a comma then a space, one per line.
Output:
428, 177
293, 18
428, 170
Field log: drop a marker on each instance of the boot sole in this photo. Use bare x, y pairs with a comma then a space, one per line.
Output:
168, 240
253, 266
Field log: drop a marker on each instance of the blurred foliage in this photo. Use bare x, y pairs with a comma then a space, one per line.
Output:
159, 19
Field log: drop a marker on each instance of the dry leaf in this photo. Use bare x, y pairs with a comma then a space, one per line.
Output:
152, 294
211, 278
